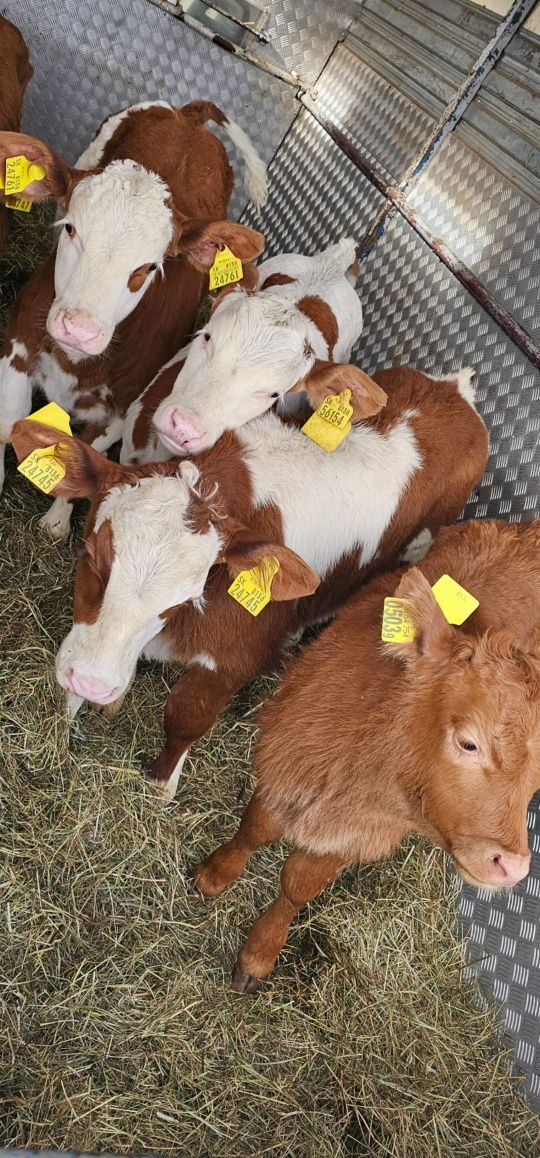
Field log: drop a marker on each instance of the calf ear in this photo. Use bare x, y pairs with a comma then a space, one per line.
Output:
248, 283
59, 178
326, 378
199, 241
87, 471
294, 578
434, 635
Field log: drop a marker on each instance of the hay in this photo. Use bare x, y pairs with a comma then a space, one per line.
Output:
120, 1031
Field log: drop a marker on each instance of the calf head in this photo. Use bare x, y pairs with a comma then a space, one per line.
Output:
475, 714
152, 537
252, 351
119, 225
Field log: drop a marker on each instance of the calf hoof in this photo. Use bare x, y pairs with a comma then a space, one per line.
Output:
244, 982
57, 521
162, 790
207, 880
109, 711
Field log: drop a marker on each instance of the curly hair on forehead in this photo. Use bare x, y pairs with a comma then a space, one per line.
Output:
500, 648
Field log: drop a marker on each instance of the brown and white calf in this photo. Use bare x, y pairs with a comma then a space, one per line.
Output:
15, 73
439, 736
259, 344
144, 210
163, 539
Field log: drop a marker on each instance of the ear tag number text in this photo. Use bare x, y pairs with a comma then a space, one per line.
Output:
226, 269
331, 422
252, 589
42, 467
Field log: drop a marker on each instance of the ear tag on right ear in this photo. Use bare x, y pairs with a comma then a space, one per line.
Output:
253, 589
397, 625
42, 467
454, 601
20, 172
331, 422
226, 269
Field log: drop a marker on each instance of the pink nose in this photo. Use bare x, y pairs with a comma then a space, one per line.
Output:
507, 868
77, 330
177, 428
87, 687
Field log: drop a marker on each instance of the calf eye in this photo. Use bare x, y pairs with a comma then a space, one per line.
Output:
152, 267
70, 229
276, 395
206, 336
467, 745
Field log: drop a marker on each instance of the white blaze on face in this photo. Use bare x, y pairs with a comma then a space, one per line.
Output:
159, 562
117, 221
251, 352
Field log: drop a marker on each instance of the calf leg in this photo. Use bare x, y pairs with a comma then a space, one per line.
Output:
257, 827
192, 707
57, 520
303, 876
15, 392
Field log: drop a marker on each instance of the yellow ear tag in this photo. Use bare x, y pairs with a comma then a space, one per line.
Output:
52, 415
331, 422
454, 601
20, 172
252, 589
397, 625
23, 204
42, 467
226, 269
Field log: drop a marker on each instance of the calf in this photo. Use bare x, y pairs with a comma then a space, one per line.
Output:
16, 72
143, 220
255, 348
439, 736
163, 540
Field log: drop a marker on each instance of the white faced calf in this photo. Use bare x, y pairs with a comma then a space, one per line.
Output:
163, 540
256, 347
144, 214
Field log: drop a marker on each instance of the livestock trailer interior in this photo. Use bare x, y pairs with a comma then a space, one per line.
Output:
412, 126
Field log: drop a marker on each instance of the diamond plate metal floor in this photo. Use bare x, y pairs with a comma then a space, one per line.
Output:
384, 90
417, 312
99, 57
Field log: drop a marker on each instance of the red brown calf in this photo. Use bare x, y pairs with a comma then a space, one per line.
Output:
163, 540
439, 736
15, 74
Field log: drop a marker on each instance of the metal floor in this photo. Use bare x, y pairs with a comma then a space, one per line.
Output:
382, 91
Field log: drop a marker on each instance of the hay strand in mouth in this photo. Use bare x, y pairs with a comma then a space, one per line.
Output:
119, 1029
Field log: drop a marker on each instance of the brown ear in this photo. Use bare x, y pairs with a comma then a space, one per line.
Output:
87, 471
434, 635
332, 377
199, 241
59, 178
246, 549
249, 282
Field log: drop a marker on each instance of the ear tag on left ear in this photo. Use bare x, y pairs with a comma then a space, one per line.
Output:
454, 601
252, 589
23, 204
226, 269
397, 625
331, 422
42, 467
20, 172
